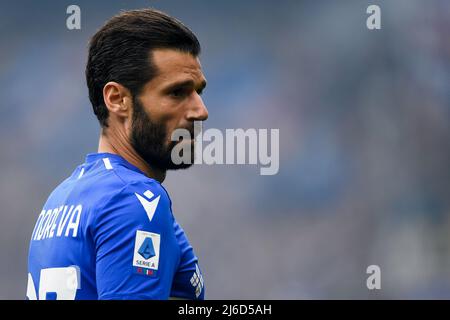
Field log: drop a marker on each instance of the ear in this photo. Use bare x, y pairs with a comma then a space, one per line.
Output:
117, 99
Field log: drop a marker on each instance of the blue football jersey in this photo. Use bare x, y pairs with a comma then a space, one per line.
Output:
108, 232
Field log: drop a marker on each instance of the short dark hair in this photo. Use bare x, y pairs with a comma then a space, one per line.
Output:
120, 51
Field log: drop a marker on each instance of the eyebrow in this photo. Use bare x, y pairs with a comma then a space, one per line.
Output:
185, 84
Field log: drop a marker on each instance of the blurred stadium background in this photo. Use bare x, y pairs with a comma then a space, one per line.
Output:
364, 119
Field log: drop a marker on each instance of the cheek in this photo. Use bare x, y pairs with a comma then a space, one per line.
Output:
165, 111
170, 116
161, 110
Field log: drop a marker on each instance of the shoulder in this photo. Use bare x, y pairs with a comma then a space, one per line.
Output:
134, 200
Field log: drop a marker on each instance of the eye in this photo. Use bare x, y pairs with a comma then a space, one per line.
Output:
178, 93
200, 92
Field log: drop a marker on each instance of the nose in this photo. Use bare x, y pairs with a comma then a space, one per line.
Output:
198, 111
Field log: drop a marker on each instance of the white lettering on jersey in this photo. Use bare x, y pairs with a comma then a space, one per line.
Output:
49, 222
63, 220
68, 219
38, 225
43, 223
52, 229
74, 221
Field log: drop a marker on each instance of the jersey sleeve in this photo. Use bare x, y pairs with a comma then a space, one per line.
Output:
136, 250
188, 281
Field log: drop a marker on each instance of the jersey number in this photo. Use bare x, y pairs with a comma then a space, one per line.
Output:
55, 284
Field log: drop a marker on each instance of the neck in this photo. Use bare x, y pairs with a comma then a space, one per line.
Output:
111, 144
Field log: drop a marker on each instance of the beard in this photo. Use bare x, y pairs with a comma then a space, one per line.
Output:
151, 141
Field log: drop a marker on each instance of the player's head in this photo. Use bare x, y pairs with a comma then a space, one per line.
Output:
145, 80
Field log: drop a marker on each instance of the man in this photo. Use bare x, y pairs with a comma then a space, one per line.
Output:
107, 231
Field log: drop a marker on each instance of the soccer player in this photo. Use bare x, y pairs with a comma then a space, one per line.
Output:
107, 231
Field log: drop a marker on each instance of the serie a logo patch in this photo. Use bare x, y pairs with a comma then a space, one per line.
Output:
146, 253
